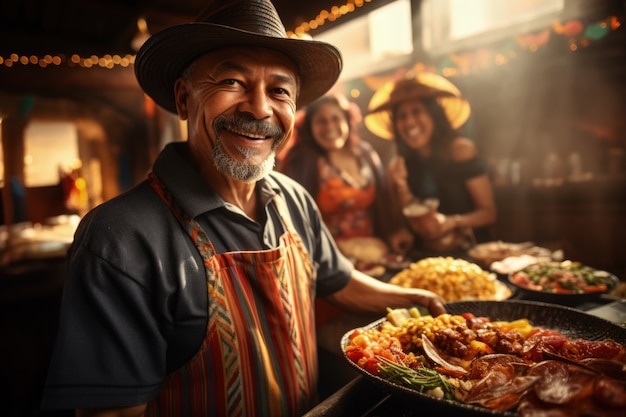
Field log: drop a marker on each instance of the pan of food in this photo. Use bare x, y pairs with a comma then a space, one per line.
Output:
512, 358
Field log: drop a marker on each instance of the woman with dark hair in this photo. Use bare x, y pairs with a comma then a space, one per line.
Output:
345, 175
435, 165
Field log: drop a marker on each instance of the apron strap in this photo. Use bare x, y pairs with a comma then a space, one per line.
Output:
192, 227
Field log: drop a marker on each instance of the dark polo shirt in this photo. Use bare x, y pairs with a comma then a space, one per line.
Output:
135, 300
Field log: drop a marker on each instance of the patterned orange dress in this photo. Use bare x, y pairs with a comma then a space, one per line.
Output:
346, 205
345, 202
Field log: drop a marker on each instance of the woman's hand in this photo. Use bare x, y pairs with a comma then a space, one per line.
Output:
441, 226
398, 176
401, 241
428, 225
397, 172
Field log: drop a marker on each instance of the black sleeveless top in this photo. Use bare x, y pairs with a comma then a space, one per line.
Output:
445, 180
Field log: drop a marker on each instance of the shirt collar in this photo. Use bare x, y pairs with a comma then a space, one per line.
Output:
177, 170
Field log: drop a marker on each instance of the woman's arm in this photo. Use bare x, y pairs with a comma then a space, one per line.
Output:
366, 294
482, 194
399, 178
388, 219
479, 188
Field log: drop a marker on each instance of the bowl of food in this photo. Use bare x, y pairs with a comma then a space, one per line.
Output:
563, 282
366, 253
453, 279
500, 256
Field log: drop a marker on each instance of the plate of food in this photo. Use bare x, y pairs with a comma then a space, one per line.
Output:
453, 279
563, 282
488, 253
512, 358
365, 253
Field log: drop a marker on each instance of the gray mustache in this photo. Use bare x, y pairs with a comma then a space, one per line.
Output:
250, 124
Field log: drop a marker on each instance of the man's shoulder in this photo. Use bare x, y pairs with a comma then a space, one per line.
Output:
134, 212
129, 204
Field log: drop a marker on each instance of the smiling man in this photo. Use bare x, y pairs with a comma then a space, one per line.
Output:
192, 294
253, 106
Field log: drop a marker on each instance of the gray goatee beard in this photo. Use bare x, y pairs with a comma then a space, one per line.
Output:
250, 169
246, 170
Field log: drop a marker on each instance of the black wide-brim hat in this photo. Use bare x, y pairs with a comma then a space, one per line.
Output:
255, 23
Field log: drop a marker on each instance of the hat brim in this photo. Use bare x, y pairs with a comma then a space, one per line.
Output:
163, 57
378, 120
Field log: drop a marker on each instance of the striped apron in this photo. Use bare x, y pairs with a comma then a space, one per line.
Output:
258, 357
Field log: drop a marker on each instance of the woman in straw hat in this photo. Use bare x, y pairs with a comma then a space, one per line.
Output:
436, 170
344, 174
191, 294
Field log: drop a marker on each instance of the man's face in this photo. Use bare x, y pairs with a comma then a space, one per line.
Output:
240, 105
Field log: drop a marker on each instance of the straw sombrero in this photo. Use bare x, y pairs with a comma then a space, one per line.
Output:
422, 85
255, 23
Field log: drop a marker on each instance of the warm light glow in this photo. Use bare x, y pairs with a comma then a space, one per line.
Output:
142, 34
575, 30
49, 147
390, 31
324, 15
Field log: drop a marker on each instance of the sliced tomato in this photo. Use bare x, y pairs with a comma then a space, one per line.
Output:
561, 290
354, 354
595, 288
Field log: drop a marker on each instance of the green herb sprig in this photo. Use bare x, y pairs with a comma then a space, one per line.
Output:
421, 379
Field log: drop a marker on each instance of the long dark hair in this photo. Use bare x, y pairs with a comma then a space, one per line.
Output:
299, 160
443, 132
303, 134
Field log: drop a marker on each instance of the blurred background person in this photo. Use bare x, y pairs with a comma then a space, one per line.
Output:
344, 174
347, 178
439, 177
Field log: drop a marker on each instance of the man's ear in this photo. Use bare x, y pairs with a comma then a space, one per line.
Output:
180, 96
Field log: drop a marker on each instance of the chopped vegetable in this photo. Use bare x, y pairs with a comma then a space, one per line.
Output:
398, 315
422, 379
565, 277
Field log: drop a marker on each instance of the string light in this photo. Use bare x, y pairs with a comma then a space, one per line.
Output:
107, 61
335, 13
579, 36
112, 61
